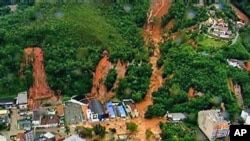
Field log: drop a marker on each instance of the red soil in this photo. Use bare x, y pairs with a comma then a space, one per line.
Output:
152, 35
170, 24
248, 66
191, 92
99, 89
40, 89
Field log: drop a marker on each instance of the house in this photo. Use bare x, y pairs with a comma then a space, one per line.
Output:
7, 102
36, 119
50, 121
74, 138
24, 124
236, 63
49, 136
29, 135
121, 111
96, 109
4, 117
60, 110
176, 117
212, 124
245, 115
22, 100
130, 107
109, 107
20, 137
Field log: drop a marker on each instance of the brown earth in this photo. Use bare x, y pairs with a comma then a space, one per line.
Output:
191, 92
240, 14
152, 35
248, 66
193, 43
170, 24
40, 89
99, 89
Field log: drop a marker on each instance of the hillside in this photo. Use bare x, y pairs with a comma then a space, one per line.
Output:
166, 56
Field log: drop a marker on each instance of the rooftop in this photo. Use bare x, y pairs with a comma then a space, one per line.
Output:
22, 97
49, 135
50, 119
213, 116
96, 107
6, 100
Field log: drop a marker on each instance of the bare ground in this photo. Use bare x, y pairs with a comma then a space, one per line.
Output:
40, 88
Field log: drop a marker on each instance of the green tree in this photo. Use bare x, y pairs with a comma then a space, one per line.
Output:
67, 130
99, 130
83, 132
131, 127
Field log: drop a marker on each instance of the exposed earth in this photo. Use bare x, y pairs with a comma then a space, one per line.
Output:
40, 89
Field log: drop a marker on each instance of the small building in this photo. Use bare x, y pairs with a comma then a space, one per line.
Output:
22, 100
36, 119
50, 121
212, 124
74, 138
7, 102
49, 136
29, 135
121, 111
176, 117
20, 137
96, 109
109, 107
130, 107
4, 117
245, 115
24, 124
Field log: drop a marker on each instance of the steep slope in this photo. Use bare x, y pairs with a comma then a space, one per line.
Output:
40, 89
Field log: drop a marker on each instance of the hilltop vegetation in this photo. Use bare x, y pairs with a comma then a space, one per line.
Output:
72, 45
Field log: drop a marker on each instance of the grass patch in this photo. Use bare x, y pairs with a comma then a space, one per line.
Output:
205, 41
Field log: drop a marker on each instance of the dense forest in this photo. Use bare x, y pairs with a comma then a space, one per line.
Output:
72, 45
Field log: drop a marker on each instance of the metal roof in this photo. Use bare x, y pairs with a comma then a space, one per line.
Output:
110, 109
96, 107
22, 97
121, 111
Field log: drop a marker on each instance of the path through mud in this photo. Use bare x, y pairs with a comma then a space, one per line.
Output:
152, 35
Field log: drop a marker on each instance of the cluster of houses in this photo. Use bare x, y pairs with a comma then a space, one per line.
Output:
95, 111
219, 27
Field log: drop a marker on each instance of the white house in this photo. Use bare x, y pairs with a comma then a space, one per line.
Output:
246, 116
22, 100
